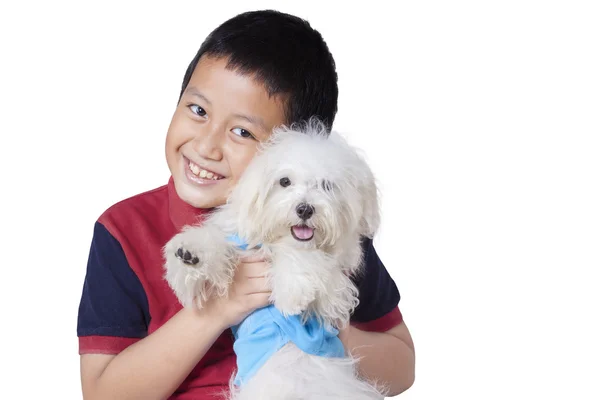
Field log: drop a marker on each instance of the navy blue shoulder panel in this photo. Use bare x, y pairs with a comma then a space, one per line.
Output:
113, 302
378, 293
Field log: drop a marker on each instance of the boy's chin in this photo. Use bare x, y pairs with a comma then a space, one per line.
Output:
198, 197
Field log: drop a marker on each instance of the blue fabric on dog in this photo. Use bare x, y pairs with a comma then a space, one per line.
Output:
238, 241
266, 330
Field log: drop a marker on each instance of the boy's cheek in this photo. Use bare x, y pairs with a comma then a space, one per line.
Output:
181, 130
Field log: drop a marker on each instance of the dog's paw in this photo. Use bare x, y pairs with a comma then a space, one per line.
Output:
186, 249
187, 257
199, 264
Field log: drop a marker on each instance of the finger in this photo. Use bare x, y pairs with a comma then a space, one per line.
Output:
253, 270
253, 286
253, 257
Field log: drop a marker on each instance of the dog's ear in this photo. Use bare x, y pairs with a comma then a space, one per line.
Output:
363, 180
369, 222
248, 197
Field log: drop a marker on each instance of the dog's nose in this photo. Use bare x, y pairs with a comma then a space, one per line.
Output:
305, 211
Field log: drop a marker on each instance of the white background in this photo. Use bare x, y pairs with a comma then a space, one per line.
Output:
480, 119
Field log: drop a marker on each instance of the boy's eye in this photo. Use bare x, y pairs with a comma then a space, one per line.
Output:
242, 133
196, 109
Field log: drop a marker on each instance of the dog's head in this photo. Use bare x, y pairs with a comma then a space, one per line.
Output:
306, 188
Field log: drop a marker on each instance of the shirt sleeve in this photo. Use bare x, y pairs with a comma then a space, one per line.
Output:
113, 312
378, 294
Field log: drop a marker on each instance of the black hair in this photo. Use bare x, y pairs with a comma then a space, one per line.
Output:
284, 53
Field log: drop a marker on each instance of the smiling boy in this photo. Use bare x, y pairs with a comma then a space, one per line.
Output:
255, 72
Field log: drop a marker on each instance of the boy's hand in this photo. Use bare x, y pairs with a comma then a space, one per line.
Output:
248, 292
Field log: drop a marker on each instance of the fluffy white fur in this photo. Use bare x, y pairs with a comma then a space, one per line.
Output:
307, 277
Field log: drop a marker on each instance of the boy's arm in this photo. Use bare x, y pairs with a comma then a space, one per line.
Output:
155, 366
377, 334
386, 357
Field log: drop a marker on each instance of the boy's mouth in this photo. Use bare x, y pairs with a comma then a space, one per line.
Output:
201, 172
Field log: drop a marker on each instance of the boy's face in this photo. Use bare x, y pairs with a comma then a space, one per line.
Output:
217, 126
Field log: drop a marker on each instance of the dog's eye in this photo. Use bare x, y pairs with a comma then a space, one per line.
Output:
327, 186
285, 182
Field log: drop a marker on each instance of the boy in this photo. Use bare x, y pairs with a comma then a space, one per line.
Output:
253, 73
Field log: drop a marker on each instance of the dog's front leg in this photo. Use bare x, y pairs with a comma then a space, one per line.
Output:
200, 263
338, 301
295, 281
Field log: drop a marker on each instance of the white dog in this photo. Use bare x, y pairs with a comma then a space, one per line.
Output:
304, 202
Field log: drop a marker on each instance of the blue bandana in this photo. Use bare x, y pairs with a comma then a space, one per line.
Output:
266, 330
238, 241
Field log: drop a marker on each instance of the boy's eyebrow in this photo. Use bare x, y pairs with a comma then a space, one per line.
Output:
253, 120
195, 92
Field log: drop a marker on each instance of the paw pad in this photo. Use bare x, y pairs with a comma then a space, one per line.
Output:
186, 257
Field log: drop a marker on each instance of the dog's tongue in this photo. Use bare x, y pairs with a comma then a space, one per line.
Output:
303, 232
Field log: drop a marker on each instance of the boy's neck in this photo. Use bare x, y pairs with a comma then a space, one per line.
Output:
180, 212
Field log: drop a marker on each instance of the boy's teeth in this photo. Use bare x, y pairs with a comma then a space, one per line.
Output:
202, 173
194, 168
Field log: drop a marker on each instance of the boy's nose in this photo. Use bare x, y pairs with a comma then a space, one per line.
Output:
208, 145
305, 211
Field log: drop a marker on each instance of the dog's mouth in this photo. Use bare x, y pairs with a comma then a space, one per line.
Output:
302, 233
